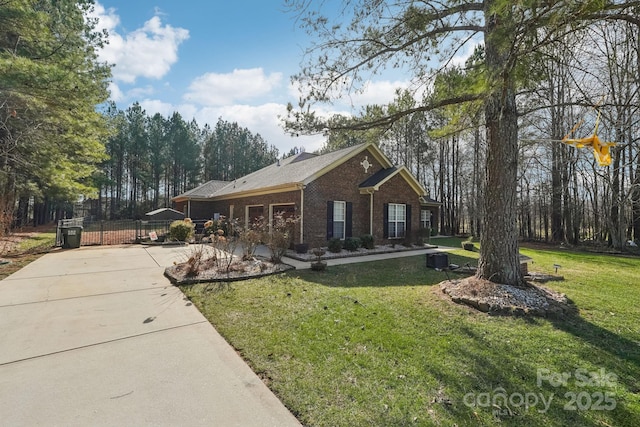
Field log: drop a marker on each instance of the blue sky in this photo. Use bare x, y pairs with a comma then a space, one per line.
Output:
211, 58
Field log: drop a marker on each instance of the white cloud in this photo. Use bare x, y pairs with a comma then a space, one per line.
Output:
465, 53
153, 106
149, 51
379, 93
166, 109
260, 119
214, 89
107, 18
373, 92
265, 118
116, 94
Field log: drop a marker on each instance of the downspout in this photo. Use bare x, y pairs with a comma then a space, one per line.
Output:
189, 208
371, 213
302, 187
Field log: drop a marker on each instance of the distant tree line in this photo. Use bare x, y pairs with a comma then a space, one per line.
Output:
154, 158
51, 136
563, 195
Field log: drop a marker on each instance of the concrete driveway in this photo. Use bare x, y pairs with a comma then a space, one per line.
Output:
98, 336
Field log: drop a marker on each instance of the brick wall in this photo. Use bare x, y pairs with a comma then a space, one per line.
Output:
396, 190
341, 184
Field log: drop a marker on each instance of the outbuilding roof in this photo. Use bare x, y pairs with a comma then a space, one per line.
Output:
163, 210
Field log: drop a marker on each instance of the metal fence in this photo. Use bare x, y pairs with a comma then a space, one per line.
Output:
112, 232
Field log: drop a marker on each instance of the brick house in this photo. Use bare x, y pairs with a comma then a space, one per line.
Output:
348, 192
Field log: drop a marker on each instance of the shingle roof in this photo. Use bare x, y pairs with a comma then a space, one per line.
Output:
157, 211
426, 200
204, 191
378, 177
297, 169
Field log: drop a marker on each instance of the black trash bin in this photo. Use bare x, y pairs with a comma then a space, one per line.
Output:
71, 237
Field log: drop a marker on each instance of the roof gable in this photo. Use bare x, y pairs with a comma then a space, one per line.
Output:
341, 156
375, 181
157, 211
378, 178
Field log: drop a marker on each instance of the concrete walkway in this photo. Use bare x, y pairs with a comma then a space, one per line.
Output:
98, 336
302, 265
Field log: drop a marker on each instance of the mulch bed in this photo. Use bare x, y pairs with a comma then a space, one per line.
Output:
209, 271
495, 298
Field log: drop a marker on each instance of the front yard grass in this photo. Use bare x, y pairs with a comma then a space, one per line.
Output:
376, 344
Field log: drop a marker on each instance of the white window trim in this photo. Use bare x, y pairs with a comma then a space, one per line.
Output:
343, 220
396, 221
426, 221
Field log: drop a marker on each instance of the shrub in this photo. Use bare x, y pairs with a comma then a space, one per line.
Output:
422, 236
250, 239
279, 238
367, 241
352, 244
335, 245
181, 230
213, 226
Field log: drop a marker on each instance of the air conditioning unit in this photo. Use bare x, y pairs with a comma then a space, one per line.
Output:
437, 260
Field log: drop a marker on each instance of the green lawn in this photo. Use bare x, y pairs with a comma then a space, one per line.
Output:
377, 344
41, 242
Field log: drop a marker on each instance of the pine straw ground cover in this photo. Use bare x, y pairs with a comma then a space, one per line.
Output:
379, 344
23, 247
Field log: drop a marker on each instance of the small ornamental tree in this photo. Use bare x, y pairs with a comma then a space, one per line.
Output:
250, 236
279, 236
222, 234
214, 225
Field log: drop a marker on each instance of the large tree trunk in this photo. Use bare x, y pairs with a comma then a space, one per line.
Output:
499, 258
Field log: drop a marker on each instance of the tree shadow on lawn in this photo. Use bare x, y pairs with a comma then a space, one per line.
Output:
602, 363
492, 368
502, 383
400, 272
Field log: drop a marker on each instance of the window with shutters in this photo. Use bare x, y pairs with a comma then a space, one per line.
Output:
397, 220
339, 219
